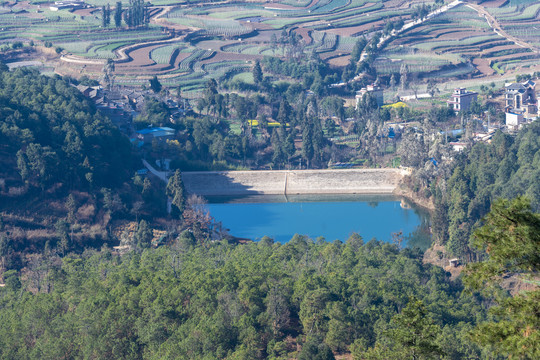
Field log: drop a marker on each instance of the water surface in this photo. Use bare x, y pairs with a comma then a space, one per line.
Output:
331, 216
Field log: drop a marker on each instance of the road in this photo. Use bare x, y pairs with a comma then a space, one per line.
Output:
413, 23
163, 175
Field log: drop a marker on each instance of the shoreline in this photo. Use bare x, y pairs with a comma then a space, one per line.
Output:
415, 199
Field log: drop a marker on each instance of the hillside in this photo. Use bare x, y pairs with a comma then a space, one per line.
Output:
507, 167
58, 154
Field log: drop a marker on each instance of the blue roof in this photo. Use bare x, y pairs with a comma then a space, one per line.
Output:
145, 131
153, 129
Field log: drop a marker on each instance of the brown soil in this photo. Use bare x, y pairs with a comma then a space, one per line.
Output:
516, 284
340, 61
494, 3
257, 26
482, 65
462, 35
141, 57
512, 56
436, 255
215, 45
353, 30
221, 56
289, 7
304, 33
500, 48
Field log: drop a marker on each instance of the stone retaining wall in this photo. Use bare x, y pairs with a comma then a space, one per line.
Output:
291, 182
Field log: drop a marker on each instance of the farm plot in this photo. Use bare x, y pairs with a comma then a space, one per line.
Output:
416, 64
441, 43
164, 54
527, 32
525, 11
520, 19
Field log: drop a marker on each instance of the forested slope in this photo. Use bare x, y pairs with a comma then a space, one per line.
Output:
61, 160
505, 168
251, 301
56, 135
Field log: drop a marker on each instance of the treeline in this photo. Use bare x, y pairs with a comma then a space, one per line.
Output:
507, 167
255, 301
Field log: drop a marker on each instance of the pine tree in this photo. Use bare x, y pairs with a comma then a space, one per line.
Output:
106, 15
108, 12
155, 85
175, 191
143, 236
118, 14
511, 238
257, 73
307, 143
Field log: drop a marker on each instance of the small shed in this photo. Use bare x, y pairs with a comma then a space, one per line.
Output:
454, 262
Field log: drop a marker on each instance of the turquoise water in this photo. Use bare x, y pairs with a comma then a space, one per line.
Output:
332, 217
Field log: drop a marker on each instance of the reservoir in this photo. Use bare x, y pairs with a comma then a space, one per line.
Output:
329, 216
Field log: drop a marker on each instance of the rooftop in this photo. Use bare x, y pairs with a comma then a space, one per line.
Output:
154, 129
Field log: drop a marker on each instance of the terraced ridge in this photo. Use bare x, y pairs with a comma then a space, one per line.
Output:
447, 39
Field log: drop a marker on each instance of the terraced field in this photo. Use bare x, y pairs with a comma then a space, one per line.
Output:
187, 43
520, 18
454, 39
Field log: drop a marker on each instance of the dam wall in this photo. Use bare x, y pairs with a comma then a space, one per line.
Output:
292, 182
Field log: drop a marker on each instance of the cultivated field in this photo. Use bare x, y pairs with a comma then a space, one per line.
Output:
185, 44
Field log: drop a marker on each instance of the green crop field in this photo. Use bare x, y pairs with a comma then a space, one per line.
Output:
199, 40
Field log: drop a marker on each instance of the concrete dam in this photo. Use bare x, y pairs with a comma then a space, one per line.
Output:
293, 182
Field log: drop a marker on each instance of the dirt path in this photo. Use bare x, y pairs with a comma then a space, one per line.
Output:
494, 24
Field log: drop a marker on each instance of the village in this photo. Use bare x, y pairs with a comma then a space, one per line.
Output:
518, 100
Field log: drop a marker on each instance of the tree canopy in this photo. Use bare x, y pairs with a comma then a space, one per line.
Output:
511, 238
252, 301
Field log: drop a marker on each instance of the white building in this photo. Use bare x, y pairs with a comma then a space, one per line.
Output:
514, 119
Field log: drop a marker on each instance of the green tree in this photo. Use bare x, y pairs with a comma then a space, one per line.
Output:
155, 85
307, 144
62, 231
12, 280
257, 73
4, 250
175, 191
71, 206
412, 335
22, 164
511, 238
357, 49
118, 14
314, 349
312, 311
105, 15
143, 236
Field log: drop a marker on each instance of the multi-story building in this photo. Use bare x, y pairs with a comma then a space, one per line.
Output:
521, 97
376, 91
462, 99
521, 102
